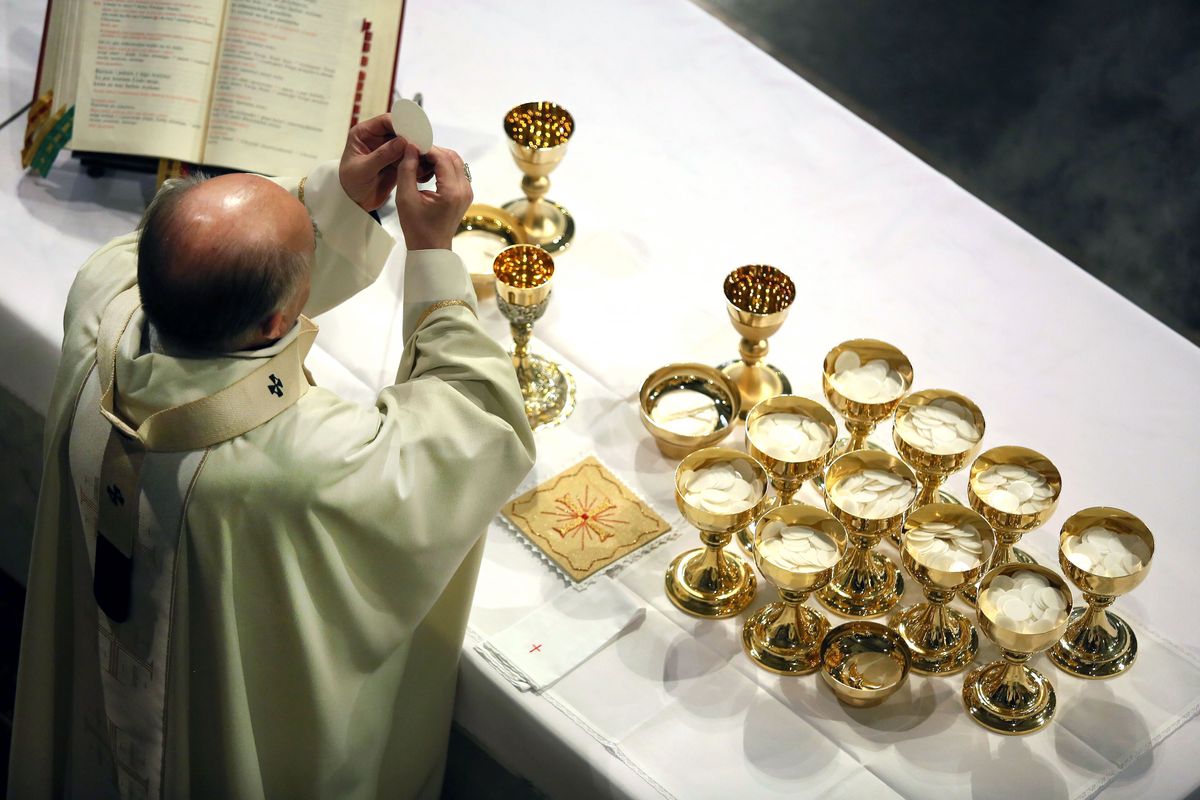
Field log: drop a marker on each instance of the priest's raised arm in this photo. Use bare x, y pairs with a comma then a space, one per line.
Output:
243, 585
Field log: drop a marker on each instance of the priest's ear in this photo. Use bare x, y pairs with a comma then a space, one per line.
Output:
275, 326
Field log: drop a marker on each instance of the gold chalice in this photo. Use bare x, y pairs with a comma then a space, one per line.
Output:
523, 277
864, 663
944, 548
1016, 490
537, 137
688, 406
864, 380
758, 300
1105, 552
937, 432
869, 492
709, 582
792, 437
1007, 695
795, 548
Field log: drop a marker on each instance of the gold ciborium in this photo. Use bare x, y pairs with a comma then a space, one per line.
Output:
864, 663
1007, 695
864, 380
688, 406
1016, 490
937, 432
708, 581
523, 284
869, 492
944, 548
792, 437
795, 549
758, 300
1105, 552
537, 137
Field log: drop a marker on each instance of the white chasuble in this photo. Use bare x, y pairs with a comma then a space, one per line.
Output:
132, 487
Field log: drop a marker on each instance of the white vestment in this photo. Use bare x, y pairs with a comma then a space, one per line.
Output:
322, 572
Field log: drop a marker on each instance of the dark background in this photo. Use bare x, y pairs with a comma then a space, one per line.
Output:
1080, 121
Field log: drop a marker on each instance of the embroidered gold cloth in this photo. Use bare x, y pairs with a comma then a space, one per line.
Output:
584, 519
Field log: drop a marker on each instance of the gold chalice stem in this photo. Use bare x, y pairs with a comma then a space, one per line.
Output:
932, 629
712, 572
930, 484
535, 189
792, 629
521, 333
1013, 690
859, 431
1004, 553
786, 490
752, 352
1092, 632
858, 572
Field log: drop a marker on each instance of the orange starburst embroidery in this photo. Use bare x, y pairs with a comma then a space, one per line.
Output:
589, 517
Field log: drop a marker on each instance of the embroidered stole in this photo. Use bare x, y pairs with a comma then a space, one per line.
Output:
132, 486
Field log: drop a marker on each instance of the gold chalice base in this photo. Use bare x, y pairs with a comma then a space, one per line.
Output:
755, 382
794, 650
1094, 652
698, 594
551, 227
1028, 707
959, 643
970, 593
863, 593
548, 389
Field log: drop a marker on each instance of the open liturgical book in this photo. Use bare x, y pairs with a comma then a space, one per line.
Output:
266, 86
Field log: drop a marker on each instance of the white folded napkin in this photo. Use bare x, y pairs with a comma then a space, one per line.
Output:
535, 652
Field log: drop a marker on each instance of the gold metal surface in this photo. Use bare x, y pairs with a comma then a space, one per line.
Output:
1010, 527
708, 581
785, 637
1098, 643
865, 583
757, 299
538, 134
942, 640
524, 276
1007, 695
496, 225
787, 477
864, 662
861, 418
934, 468
699, 378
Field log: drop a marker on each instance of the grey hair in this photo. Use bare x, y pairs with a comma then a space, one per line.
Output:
214, 307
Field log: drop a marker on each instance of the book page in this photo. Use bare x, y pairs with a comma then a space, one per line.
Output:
144, 76
285, 85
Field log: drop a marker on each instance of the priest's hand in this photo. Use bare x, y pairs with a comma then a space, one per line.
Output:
430, 218
370, 162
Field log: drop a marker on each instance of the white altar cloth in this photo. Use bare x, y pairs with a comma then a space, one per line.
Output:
696, 153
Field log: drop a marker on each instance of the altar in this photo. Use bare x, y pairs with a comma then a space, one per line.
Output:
695, 153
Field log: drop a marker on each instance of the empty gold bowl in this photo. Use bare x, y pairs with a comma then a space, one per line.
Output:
864, 662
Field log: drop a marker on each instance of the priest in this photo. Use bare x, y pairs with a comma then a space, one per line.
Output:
243, 585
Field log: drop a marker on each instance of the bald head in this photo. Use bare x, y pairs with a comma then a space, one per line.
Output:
223, 263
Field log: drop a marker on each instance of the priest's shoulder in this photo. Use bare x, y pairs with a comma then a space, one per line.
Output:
314, 440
